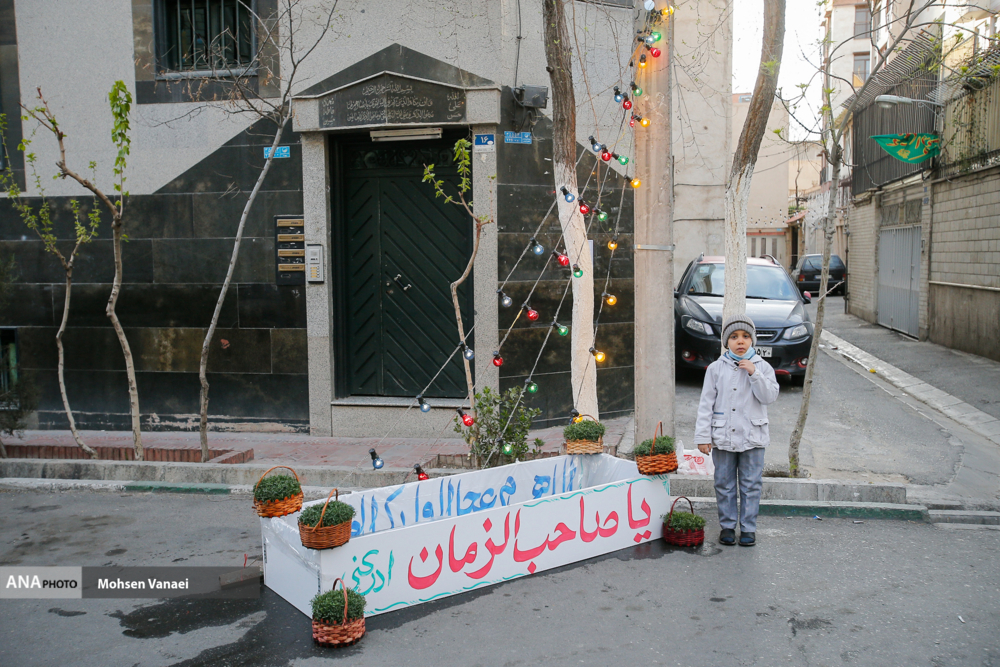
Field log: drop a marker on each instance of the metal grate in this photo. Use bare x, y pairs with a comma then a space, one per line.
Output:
766, 335
205, 35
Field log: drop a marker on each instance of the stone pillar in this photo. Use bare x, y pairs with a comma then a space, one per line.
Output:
484, 275
316, 213
654, 252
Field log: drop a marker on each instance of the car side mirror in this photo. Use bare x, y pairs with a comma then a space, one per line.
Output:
807, 297
676, 294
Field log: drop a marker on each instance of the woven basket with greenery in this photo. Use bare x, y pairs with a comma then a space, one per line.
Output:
278, 495
584, 437
683, 529
656, 456
338, 619
327, 525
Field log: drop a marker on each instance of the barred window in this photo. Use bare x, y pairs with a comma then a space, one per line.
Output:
204, 35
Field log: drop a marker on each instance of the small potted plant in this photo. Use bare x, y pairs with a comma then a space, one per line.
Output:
327, 525
277, 495
338, 617
683, 529
656, 456
584, 437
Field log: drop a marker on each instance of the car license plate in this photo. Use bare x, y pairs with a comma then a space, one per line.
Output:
765, 352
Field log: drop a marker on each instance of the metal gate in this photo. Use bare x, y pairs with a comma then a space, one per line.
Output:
899, 279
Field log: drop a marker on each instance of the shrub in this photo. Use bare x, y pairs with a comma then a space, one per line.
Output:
502, 423
276, 487
329, 607
684, 521
664, 445
336, 512
584, 430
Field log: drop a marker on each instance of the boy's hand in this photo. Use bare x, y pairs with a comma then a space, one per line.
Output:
705, 449
748, 366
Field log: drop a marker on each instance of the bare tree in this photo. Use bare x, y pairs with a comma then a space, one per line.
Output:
291, 16
120, 100
463, 161
559, 57
40, 222
832, 130
738, 189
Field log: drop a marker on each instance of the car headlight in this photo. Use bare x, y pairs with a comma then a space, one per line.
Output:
698, 327
798, 331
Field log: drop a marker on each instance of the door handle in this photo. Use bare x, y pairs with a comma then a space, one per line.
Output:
400, 282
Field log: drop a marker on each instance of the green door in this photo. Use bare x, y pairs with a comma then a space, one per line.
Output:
404, 248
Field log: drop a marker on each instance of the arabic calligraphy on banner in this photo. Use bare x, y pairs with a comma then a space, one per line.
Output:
392, 100
422, 562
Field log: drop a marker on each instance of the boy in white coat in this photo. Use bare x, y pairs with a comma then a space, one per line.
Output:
732, 425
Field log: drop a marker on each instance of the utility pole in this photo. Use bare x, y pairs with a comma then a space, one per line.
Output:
654, 245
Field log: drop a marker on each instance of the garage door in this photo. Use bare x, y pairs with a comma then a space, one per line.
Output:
899, 279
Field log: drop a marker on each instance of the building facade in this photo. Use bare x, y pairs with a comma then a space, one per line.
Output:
347, 351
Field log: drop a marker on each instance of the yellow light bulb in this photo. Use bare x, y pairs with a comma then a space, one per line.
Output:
644, 122
667, 11
599, 356
612, 299
612, 244
636, 182
642, 62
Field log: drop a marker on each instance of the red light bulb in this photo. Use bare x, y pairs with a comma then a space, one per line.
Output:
562, 259
584, 208
497, 360
468, 420
627, 104
655, 52
631, 121
606, 156
532, 314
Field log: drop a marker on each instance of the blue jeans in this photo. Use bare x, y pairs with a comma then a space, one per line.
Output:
750, 466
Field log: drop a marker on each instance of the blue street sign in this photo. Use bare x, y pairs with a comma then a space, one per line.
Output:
279, 152
484, 143
517, 137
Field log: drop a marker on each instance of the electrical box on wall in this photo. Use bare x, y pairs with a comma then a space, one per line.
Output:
314, 263
290, 248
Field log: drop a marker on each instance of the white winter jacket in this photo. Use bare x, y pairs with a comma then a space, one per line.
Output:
732, 414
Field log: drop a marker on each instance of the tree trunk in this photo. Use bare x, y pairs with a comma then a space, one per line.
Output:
458, 315
738, 189
62, 379
558, 56
133, 387
829, 225
206, 344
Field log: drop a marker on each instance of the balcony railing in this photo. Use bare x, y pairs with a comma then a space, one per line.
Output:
972, 128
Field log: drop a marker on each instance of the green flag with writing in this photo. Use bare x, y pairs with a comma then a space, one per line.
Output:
910, 148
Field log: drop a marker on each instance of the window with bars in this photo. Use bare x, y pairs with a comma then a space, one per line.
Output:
205, 35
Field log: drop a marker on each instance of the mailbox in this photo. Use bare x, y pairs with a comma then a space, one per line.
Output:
290, 249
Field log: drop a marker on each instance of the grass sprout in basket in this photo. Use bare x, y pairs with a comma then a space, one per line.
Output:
585, 436
338, 616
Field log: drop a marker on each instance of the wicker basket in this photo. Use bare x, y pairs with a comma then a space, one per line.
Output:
339, 634
585, 446
325, 537
656, 464
682, 538
273, 508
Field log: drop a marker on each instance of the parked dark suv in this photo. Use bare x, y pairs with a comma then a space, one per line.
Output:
784, 329
806, 275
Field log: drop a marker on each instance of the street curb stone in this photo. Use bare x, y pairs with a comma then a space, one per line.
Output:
777, 488
99, 486
831, 509
969, 416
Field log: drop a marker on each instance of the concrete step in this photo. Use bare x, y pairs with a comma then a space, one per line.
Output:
964, 516
777, 488
824, 508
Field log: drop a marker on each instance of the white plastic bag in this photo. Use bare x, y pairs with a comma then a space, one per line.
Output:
693, 462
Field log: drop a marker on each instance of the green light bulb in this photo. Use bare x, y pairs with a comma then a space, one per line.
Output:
532, 388
508, 448
656, 37
602, 216
637, 91
623, 159
577, 271
563, 329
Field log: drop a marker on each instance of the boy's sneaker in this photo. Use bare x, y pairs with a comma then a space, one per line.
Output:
748, 539
727, 537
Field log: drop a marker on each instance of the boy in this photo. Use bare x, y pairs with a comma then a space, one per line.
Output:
732, 416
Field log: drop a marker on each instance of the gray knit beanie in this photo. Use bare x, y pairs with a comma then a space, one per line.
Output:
738, 323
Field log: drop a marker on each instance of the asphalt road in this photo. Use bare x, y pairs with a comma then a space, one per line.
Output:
855, 428
830, 592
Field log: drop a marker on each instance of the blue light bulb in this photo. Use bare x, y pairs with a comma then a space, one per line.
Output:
377, 461
537, 247
424, 406
570, 197
469, 353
